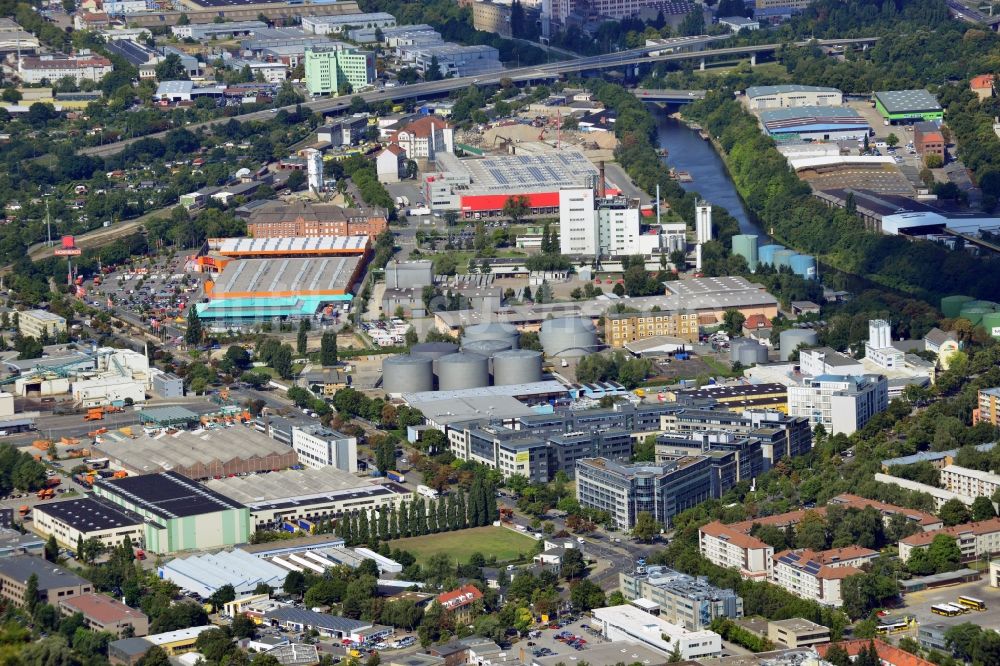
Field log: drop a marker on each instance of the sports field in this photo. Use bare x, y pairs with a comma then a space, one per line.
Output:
505, 544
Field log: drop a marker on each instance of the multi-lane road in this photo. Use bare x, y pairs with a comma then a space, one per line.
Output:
426, 89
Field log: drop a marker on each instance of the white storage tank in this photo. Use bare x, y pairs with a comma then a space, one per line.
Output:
517, 366
493, 330
463, 370
790, 339
568, 336
407, 374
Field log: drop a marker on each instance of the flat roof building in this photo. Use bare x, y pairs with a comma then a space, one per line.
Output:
128, 651
40, 324
180, 514
907, 106
205, 574
102, 613
628, 623
681, 599
819, 123
797, 632
88, 517
319, 446
54, 582
325, 25
791, 95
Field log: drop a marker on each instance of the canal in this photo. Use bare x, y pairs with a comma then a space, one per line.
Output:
689, 152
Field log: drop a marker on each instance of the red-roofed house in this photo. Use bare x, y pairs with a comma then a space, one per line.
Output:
389, 164
890, 655
425, 137
817, 575
726, 547
982, 85
975, 540
460, 601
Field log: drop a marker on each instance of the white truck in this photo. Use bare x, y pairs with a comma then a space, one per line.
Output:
427, 491
423, 210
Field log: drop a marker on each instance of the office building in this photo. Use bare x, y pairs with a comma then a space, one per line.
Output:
827, 361
628, 623
907, 106
734, 458
796, 632
603, 225
277, 219
491, 17
325, 25
818, 575
735, 397
179, 514
85, 518
790, 96
54, 582
319, 446
40, 324
625, 490
85, 67
975, 540
841, 403
681, 599
102, 613
338, 72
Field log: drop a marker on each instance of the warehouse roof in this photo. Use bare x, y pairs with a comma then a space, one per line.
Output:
504, 174
284, 277
453, 410
907, 101
21, 567
237, 568
303, 245
298, 486
167, 415
310, 618
761, 91
168, 495
89, 514
166, 451
806, 116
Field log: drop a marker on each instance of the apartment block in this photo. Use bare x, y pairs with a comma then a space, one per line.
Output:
681, 599
102, 613
491, 17
625, 327
40, 323
970, 482
725, 546
624, 490
51, 68
975, 540
989, 407
818, 575
842, 404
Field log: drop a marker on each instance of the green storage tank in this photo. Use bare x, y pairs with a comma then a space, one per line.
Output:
989, 305
952, 305
975, 314
745, 245
991, 323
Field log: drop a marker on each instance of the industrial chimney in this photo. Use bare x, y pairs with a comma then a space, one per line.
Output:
601, 187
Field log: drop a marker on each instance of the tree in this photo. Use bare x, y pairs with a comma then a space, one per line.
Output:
222, 596
51, 549
944, 553
31, 594
237, 359
572, 566
585, 595
11, 95
516, 207
892, 140
328, 348
433, 70
982, 509
243, 627
302, 339
296, 179
954, 512
646, 527
194, 330
171, 69
156, 655
732, 322
295, 583
282, 361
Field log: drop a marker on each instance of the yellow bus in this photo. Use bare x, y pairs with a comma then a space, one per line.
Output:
893, 627
972, 602
947, 610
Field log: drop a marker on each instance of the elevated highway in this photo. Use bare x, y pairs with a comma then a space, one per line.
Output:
676, 50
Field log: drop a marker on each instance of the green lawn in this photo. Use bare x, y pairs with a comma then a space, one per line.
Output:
505, 544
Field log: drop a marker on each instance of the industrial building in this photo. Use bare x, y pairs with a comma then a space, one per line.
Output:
85, 518
621, 328
907, 106
479, 188
331, 626
199, 454
318, 446
179, 514
54, 582
291, 248
735, 397
814, 123
309, 495
205, 574
222, 30
628, 623
596, 224
102, 613
453, 60
681, 599
325, 25
928, 140
40, 324
791, 95
624, 490
278, 219
260, 289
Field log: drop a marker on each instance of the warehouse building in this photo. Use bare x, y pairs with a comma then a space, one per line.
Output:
198, 454
325, 25
54, 582
179, 514
331, 626
305, 496
102, 613
814, 123
205, 574
291, 248
86, 518
129, 651
735, 397
277, 219
791, 95
907, 106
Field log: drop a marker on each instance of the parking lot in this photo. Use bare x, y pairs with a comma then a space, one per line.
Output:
546, 640
919, 604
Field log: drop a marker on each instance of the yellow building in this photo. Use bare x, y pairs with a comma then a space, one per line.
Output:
738, 397
989, 407
129, 651
622, 328
33, 323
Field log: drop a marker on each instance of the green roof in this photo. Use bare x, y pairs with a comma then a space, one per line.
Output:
907, 101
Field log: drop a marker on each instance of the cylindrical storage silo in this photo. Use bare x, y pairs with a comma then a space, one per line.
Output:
407, 374
517, 366
745, 245
493, 330
568, 336
975, 313
804, 265
952, 305
487, 348
765, 254
991, 322
783, 258
463, 370
752, 354
790, 339
433, 350
734, 348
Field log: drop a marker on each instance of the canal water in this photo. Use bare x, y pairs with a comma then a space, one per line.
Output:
689, 152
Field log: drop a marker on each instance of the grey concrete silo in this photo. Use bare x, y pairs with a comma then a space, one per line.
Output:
493, 330
463, 370
568, 336
407, 374
517, 366
790, 339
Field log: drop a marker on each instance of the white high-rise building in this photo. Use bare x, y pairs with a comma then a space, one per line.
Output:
577, 222
703, 222
843, 404
611, 226
879, 348
314, 165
